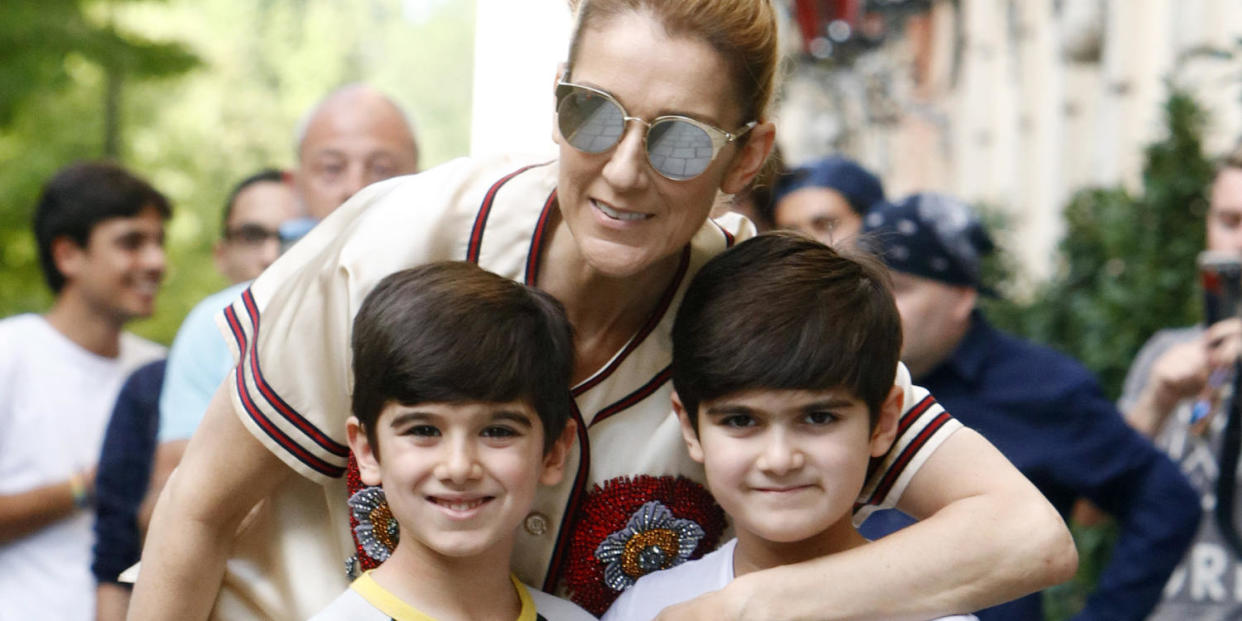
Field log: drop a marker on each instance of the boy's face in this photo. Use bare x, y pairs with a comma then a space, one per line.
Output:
119, 271
787, 465
459, 477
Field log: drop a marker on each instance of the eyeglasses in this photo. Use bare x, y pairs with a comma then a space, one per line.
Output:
678, 147
251, 235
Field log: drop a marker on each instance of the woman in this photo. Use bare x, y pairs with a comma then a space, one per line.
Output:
662, 106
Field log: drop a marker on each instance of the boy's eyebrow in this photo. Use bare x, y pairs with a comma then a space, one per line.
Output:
827, 403
518, 417
728, 408
410, 416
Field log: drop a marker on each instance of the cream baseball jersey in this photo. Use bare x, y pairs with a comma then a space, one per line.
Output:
632, 500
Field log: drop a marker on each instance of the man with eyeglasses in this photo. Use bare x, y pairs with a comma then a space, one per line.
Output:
253, 215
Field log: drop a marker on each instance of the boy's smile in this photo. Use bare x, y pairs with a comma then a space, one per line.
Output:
787, 466
460, 507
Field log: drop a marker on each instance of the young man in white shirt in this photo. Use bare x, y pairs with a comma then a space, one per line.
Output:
100, 234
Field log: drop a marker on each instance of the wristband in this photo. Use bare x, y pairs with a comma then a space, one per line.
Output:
77, 487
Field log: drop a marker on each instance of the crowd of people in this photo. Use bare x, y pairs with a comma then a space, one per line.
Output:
504, 388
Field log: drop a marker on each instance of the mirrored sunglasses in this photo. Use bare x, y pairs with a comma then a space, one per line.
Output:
678, 147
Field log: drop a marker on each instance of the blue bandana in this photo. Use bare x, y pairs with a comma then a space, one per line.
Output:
929, 235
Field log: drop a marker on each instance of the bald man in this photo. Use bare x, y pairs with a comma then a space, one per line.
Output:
353, 137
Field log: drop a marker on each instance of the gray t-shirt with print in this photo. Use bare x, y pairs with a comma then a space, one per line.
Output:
1207, 584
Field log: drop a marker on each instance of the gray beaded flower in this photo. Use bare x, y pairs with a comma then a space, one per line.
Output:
377, 529
653, 539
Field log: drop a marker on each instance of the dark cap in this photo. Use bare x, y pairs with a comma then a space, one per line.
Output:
860, 188
929, 235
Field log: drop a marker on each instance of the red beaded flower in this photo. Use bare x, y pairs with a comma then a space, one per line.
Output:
630, 527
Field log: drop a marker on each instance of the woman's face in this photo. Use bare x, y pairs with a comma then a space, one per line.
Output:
624, 216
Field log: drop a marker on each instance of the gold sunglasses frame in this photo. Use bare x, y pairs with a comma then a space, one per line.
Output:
718, 137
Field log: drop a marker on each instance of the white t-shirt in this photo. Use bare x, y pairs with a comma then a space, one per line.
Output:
366, 600
55, 400
656, 591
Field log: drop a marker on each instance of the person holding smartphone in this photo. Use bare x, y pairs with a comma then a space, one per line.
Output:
1176, 392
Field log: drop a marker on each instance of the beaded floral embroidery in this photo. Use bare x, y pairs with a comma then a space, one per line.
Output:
652, 540
376, 530
630, 527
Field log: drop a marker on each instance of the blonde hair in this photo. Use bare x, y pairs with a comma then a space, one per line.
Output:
744, 32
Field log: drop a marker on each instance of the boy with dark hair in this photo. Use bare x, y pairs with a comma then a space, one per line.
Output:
461, 410
784, 355
100, 235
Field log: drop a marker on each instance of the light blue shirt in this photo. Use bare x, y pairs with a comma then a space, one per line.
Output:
197, 364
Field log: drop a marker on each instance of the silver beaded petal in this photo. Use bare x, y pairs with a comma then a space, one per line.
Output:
653, 515
362, 504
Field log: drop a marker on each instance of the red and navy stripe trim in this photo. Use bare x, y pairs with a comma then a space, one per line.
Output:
252, 410
911, 449
728, 236
535, 254
652, 322
273, 399
485, 209
573, 507
633, 398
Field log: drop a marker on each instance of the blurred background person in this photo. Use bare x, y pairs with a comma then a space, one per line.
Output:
354, 137
1042, 409
826, 199
253, 214
1173, 372
120, 482
100, 235
249, 242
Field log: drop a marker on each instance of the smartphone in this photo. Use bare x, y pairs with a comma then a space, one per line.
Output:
1220, 274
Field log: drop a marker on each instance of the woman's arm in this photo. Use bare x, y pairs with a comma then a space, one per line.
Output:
224, 473
987, 536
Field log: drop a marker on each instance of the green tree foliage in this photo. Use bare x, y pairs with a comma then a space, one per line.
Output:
57, 60
1126, 263
261, 64
38, 36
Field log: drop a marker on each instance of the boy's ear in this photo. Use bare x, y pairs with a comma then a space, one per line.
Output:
368, 464
687, 430
555, 457
886, 423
